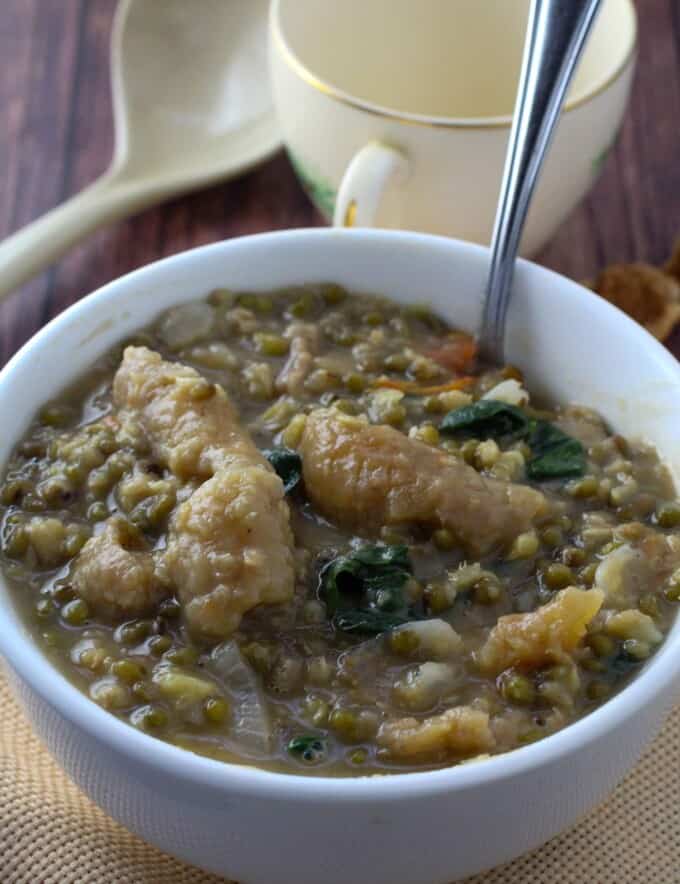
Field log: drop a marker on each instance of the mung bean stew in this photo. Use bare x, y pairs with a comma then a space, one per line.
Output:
314, 532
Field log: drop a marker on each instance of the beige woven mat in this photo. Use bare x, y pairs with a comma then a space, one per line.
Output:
51, 834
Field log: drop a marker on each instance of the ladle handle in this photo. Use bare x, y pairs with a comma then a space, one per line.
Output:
34, 247
556, 33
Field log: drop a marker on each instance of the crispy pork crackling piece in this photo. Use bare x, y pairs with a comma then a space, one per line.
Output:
460, 731
229, 545
542, 636
115, 573
367, 476
190, 423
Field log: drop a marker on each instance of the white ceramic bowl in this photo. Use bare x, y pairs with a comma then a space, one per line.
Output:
432, 827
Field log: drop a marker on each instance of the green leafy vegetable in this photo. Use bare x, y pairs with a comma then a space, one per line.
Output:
367, 622
363, 590
378, 572
621, 664
287, 466
308, 748
486, 418
379, 556
555, 455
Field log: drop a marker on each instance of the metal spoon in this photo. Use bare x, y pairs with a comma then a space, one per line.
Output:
556, 33
191, 105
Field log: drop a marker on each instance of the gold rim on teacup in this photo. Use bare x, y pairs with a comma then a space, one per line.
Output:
493, 122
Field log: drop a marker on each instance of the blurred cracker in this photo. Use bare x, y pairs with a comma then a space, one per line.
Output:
649, 295
672, 266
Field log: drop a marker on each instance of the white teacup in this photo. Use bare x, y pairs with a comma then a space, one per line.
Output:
396, 113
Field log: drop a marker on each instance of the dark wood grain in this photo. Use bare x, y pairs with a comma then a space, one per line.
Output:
56, 136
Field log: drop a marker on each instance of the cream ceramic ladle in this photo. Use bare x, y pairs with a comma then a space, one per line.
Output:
191, 105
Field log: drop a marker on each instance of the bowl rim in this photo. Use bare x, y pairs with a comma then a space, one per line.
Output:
503, 121
26, 659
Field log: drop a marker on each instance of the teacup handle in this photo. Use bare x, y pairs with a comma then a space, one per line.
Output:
364, 182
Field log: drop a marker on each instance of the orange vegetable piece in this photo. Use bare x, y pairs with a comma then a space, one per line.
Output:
456, 353
413, 389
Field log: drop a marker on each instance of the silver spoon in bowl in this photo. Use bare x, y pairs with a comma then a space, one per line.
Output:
556, 34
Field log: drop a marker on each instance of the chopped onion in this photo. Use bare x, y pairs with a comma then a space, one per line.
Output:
509, 391
186, 324
251, 728
435, 639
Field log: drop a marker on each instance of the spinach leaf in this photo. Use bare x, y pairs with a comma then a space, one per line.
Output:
486, 418
340, 575
621, 664
363, 590
308, 748
367, 622
554, 454
376, 572
383, 555
287, 466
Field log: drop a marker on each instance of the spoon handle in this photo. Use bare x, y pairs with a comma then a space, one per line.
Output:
556, 33
34, 247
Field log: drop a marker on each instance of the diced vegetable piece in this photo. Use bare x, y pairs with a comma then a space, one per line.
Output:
423, 686
633, 624
426, 640
619, 573
457, 352
251, 728
186, 324
385, 407
413, 389
509, 391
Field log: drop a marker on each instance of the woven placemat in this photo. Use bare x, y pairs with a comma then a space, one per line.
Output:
50, 833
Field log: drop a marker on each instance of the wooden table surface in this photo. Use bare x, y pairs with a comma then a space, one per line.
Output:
56, 136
